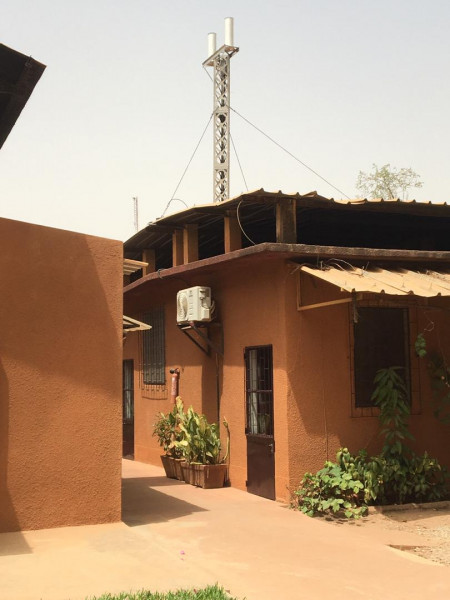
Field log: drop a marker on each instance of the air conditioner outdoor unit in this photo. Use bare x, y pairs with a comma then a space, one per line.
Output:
194, 304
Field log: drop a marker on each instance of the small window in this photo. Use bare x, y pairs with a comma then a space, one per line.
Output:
153, 355
381, 340
259, 390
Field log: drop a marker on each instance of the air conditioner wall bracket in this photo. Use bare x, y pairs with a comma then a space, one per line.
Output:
208, 344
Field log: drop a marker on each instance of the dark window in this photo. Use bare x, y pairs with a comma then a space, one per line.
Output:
153, 359
381, 340
128, 390
259, 390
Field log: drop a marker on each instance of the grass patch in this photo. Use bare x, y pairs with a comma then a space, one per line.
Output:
213, 592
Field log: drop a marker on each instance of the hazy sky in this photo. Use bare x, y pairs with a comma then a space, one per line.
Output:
124, 100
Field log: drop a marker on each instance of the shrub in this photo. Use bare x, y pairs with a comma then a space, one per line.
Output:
334, 489
395, 476
199, 441
167, 428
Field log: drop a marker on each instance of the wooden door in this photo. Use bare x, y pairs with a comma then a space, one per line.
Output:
128, 409
259, 421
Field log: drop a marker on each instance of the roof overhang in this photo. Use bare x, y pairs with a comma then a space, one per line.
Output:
392, 281
19, 75
256, 207
131, 266
129, 324
299, 253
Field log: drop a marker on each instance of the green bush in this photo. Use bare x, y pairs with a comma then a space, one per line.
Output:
334, 489
167, 428
199, 441
395, 476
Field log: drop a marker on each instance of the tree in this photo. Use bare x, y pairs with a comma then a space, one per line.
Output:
388, 183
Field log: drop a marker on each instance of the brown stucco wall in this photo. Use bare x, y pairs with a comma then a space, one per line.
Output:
257, 305
252, 313
322, 417
60, 377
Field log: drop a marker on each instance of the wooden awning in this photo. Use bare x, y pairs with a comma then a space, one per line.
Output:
130, 324
131, 266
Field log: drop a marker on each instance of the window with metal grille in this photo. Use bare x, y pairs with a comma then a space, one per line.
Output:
153, 355
381, 340
259, 390
128, 390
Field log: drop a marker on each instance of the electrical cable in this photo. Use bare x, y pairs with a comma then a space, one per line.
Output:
190, 160
170, 202
239, 162
239, 223
290, 153
282, 147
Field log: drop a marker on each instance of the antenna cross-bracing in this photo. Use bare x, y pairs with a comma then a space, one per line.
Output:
220, 60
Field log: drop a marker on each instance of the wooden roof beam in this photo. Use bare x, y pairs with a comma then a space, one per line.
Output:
286, 221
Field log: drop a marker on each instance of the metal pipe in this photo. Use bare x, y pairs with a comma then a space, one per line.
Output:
174, 384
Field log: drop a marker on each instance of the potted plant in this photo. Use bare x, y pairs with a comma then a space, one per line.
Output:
200, 445
167, 430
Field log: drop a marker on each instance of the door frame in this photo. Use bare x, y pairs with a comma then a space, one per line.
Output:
128, 423
259, 420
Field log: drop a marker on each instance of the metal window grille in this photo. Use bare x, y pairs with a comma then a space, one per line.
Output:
154, 358
381, 340
128, 390
259, 390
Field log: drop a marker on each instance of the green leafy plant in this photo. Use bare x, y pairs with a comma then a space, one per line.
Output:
396, 475
334, 489
200, 441
167, 428
402, 475
440, 382
390, 395
420, 345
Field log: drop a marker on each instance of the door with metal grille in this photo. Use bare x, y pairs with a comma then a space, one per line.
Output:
259, 421
128, 409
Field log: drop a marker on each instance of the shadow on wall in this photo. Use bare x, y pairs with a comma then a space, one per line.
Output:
13, 543
141, 504
60, 348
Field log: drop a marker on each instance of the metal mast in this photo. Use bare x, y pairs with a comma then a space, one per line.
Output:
136, 213
220, 60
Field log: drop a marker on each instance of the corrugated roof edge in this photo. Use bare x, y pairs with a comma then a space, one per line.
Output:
261, 192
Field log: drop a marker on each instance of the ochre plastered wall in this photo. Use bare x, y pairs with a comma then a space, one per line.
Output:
60, 377
257, 305
197, 382
321, 415
252, 313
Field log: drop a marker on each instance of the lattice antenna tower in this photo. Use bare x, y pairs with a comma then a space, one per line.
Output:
220, 60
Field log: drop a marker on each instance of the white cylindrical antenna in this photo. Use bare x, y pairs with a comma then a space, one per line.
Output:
211, 43
229, 31
136, 213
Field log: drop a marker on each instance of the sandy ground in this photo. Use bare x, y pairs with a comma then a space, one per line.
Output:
176, 536
430, 522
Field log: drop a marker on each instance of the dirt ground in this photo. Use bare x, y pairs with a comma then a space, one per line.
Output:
430, 523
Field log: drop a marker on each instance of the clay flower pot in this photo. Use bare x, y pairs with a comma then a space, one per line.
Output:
205, 476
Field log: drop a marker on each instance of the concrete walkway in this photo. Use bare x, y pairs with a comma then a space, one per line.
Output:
174, 535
